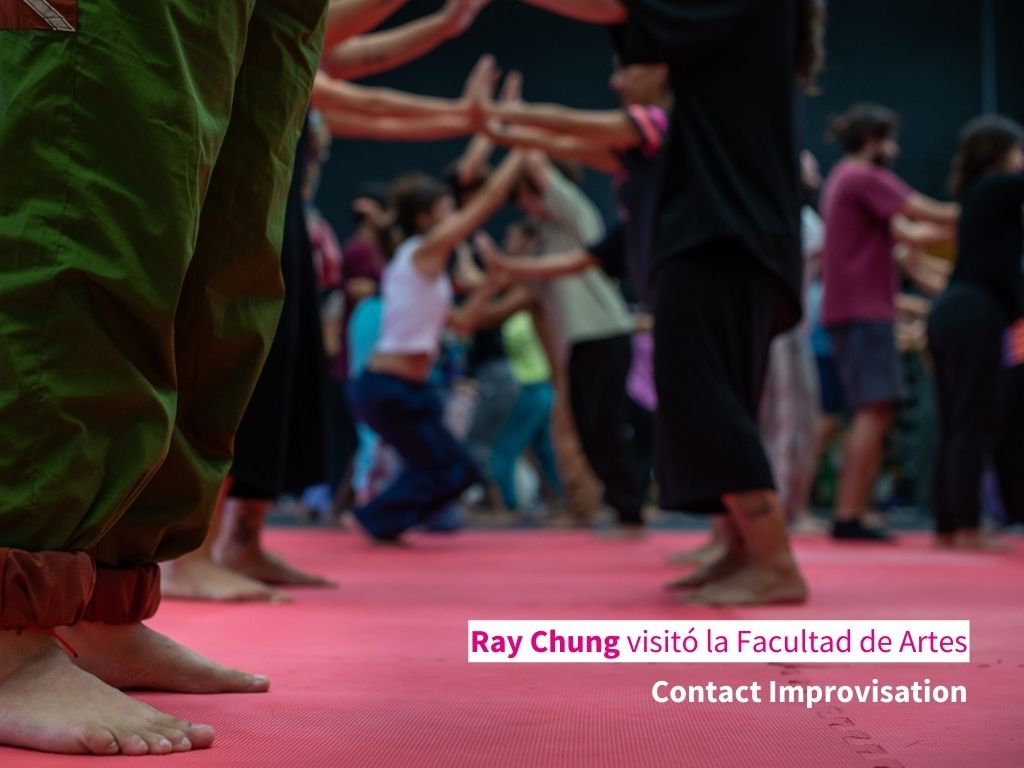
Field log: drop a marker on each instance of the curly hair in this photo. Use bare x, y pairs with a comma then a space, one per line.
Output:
860, 124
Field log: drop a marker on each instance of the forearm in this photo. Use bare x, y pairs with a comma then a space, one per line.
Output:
485, 203
594, 11
339, 96
919, 206
349, 125
475, 158
348, 18
571, 148
369, 54
922, 234
611, 128
549, 266
498, 310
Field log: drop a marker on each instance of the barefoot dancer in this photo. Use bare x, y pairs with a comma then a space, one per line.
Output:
141, 288
727, 265
966, 327
626, 142
280, 439
393, 396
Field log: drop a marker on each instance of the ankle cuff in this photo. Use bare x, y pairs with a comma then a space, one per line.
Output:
44, 589
124, 595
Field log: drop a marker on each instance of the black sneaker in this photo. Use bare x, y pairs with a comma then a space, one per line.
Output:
855, 530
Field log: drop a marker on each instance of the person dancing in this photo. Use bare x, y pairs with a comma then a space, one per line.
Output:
966, 327
141, 289
393, 396
727, 269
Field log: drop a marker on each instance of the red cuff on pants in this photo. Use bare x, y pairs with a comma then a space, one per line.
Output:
44, 589
124, 595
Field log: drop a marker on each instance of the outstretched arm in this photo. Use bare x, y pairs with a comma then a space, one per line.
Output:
433, 253
572, 148
369, 54
513, 300
922, 234
595, 11
546, 267
467, 317
474, 158
354, 125
337, 96
613, 129
348, 18
918, 206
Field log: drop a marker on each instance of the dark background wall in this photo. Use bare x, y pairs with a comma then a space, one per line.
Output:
938, 62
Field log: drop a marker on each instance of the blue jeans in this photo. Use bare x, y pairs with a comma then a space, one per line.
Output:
528, 426
435, 466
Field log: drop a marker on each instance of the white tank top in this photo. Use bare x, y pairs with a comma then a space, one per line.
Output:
415, 307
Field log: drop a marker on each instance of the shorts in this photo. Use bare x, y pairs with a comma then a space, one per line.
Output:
868, 363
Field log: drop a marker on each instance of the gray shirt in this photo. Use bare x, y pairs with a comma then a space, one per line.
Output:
587, 306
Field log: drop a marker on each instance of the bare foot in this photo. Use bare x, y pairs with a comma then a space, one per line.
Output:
256, 563
706, 553
49, 704
754, 584
134, 656
728, 564
199, 578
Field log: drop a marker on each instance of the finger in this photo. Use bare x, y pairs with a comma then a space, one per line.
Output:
512, 89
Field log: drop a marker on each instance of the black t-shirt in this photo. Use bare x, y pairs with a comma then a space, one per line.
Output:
731, 162
992, 240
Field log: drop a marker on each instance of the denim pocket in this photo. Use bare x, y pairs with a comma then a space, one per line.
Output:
55, 15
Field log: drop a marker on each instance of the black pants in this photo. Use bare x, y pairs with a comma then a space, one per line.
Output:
716, 312
965, 334
1009, 452
601, 408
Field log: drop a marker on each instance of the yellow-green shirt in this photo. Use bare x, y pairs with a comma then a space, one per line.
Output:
524, 349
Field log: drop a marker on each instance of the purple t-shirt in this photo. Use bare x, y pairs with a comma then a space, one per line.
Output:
860, 276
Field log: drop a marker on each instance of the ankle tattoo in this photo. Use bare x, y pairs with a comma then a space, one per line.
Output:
246, 529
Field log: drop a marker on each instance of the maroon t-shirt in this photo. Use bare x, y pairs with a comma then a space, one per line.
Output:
860, 276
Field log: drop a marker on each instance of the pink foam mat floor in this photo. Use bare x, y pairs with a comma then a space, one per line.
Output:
374, 673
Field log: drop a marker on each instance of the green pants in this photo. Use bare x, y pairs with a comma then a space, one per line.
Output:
146, 161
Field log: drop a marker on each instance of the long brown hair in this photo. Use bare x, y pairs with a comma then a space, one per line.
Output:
985, 143
810, 42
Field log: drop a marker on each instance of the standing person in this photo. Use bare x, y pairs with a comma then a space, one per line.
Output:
281, 441
967, 326
865, 207
593, 330
727, 267
141, 289
529, 424
362, 260
393, 396
790, 408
